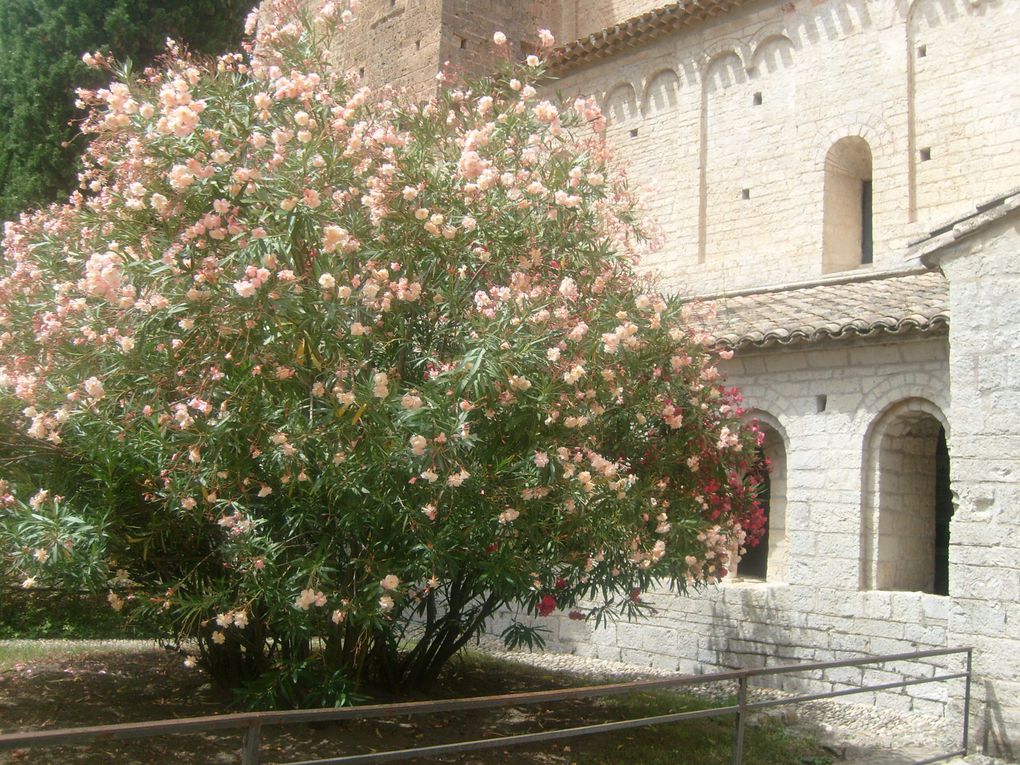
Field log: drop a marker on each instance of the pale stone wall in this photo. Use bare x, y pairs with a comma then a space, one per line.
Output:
815, 605
405, 43
468, 26
394, 42
728, 124
734, 154
964, 99
984, 291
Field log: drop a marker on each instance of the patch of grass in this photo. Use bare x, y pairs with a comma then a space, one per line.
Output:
705, 741
28, 614
15, 652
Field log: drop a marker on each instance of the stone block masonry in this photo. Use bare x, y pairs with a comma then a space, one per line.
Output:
817, 608
777, 142
728, 126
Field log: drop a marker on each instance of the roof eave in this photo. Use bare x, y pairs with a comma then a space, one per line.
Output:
934, 327
637, 31
930, 248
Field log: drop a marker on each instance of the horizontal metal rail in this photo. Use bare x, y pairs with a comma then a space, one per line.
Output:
254, 722
519, 739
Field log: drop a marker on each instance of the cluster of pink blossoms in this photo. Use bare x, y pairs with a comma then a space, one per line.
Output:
304, 310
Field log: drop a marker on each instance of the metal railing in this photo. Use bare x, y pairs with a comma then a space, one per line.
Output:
252, 723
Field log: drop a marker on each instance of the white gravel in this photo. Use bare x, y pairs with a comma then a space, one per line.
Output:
857, 734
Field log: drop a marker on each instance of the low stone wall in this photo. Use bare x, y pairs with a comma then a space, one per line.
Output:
750, 625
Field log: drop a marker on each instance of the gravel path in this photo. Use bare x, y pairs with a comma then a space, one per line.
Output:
856, 734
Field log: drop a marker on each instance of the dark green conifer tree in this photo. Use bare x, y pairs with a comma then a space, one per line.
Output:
41, 43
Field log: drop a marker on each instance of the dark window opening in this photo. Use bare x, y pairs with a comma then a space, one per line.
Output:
867, 242
925, 154
757, 99
745, 193
922, 51
943, 515
755, 563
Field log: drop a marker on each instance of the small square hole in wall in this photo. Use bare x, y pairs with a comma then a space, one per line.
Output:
634, 133
463, 43
745, 193
417, 44
756, 100
926, 154
821, 403
922, 51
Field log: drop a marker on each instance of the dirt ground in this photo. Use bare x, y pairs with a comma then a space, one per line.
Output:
133, 687
122, 687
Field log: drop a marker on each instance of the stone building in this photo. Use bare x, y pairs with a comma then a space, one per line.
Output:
835, 181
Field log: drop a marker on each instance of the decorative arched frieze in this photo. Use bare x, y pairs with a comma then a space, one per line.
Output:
720, 49
773, 53
620, 105
765, 32
661, 93
903, 11
722, 70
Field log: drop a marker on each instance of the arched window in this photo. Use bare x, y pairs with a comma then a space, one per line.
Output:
911, 501
847, 240
767, 560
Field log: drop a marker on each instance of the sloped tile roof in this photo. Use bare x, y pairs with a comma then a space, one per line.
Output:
639, 29
917, 302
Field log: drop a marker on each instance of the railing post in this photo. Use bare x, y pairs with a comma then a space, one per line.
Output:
738, 744
966, 701
252, 752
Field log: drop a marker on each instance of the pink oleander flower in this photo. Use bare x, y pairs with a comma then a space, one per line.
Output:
418, 445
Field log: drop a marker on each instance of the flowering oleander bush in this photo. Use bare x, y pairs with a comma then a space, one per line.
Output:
307, 361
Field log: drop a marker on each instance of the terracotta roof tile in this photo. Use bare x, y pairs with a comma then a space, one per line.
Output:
639, 29
895, 304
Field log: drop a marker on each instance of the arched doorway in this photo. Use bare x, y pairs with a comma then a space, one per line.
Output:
767, 561
911, 500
